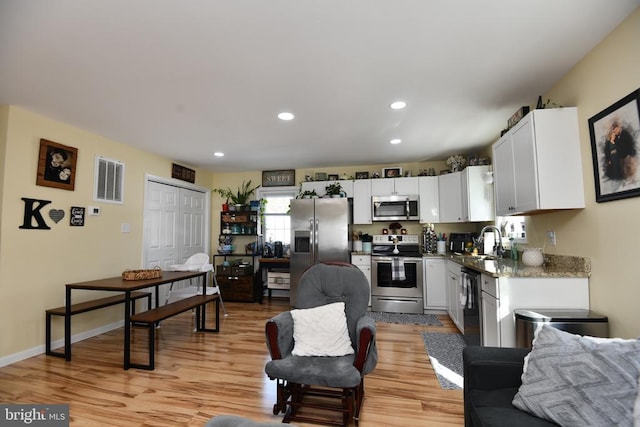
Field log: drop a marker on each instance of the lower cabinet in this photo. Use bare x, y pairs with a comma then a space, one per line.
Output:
435, 283
237, 288
363, 262
454, 284
489, 305
502, 295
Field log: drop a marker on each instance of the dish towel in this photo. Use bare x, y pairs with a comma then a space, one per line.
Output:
397, 270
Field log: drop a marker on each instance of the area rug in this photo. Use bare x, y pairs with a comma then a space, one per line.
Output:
445, 353
416, 319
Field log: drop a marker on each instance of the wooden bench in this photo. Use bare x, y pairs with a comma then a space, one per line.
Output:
86, 306
151, 318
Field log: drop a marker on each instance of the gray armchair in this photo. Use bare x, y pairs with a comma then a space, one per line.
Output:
307, 380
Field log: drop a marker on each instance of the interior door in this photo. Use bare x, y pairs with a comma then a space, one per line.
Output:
175, 227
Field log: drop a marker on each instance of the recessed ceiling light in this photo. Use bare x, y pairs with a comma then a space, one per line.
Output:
398, 105
395, 141
286, 116
218, 154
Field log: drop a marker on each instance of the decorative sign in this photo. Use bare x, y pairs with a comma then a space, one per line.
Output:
517, 116
183, 173
279, 178
77, 216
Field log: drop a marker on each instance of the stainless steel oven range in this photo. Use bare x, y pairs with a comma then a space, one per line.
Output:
396, 274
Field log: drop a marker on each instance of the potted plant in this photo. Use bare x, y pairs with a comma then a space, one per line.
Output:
226, 194
334, 190
307, 194
240, 197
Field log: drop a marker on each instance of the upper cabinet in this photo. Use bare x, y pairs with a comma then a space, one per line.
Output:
537, 164
429, 204
477, 194
395, 186
450, 197
362, 201
466, 196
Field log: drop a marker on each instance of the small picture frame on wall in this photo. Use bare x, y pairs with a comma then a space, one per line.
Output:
362, 175
321, 176
394, 172
332, 177
56, 165
615, 140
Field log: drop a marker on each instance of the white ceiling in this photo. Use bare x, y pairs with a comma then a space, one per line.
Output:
186, 78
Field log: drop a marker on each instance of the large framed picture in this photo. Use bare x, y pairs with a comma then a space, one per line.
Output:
615, 134
56, 165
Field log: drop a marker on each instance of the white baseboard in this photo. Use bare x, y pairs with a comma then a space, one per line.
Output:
35, 351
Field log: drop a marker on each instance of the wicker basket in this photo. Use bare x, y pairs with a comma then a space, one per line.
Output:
154, 273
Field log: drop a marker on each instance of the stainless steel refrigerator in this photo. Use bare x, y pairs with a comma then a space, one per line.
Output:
319, 232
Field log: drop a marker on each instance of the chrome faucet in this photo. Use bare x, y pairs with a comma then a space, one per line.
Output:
498, 249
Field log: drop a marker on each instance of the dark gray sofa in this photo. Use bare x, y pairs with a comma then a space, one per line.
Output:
492, 377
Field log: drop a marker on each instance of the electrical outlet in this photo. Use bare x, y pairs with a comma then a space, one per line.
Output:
551, 237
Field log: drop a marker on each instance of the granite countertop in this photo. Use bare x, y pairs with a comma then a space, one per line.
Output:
554, 266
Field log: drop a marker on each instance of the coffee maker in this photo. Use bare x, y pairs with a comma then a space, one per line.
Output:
278, 251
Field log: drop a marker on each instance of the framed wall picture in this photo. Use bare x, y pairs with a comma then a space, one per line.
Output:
615, 136
183, 173
279, 178
332, 177
394, 172
362, 175
56, 165
321, 176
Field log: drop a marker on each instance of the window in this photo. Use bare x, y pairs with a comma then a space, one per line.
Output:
276, 220
109, 181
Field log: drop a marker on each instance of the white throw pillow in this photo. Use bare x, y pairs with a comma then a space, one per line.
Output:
576, 381
321, 331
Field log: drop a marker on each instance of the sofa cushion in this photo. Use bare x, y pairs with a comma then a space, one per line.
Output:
576, 381
494, 408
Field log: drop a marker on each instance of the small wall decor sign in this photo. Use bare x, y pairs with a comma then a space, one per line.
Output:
615, 139
279, 178
183, 173
56, 165
517, 116
77, 216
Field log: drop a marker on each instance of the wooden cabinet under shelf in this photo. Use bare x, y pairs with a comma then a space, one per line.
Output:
238, 283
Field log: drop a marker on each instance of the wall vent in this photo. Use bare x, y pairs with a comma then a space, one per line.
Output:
109, 181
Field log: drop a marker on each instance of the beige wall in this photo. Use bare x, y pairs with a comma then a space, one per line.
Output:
35, 264
607, 233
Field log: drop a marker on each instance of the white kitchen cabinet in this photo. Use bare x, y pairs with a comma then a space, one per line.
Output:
435, 283
489, 311
450, 197
429, 201
320, 186
465, 196
362, 201
408, 186
513, 293
477, 194
363, 262
537, 164
454, 284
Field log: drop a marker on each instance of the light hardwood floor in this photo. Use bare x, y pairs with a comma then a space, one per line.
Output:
200, 375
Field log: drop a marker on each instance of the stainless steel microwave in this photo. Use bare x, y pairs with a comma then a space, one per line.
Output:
395, 208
